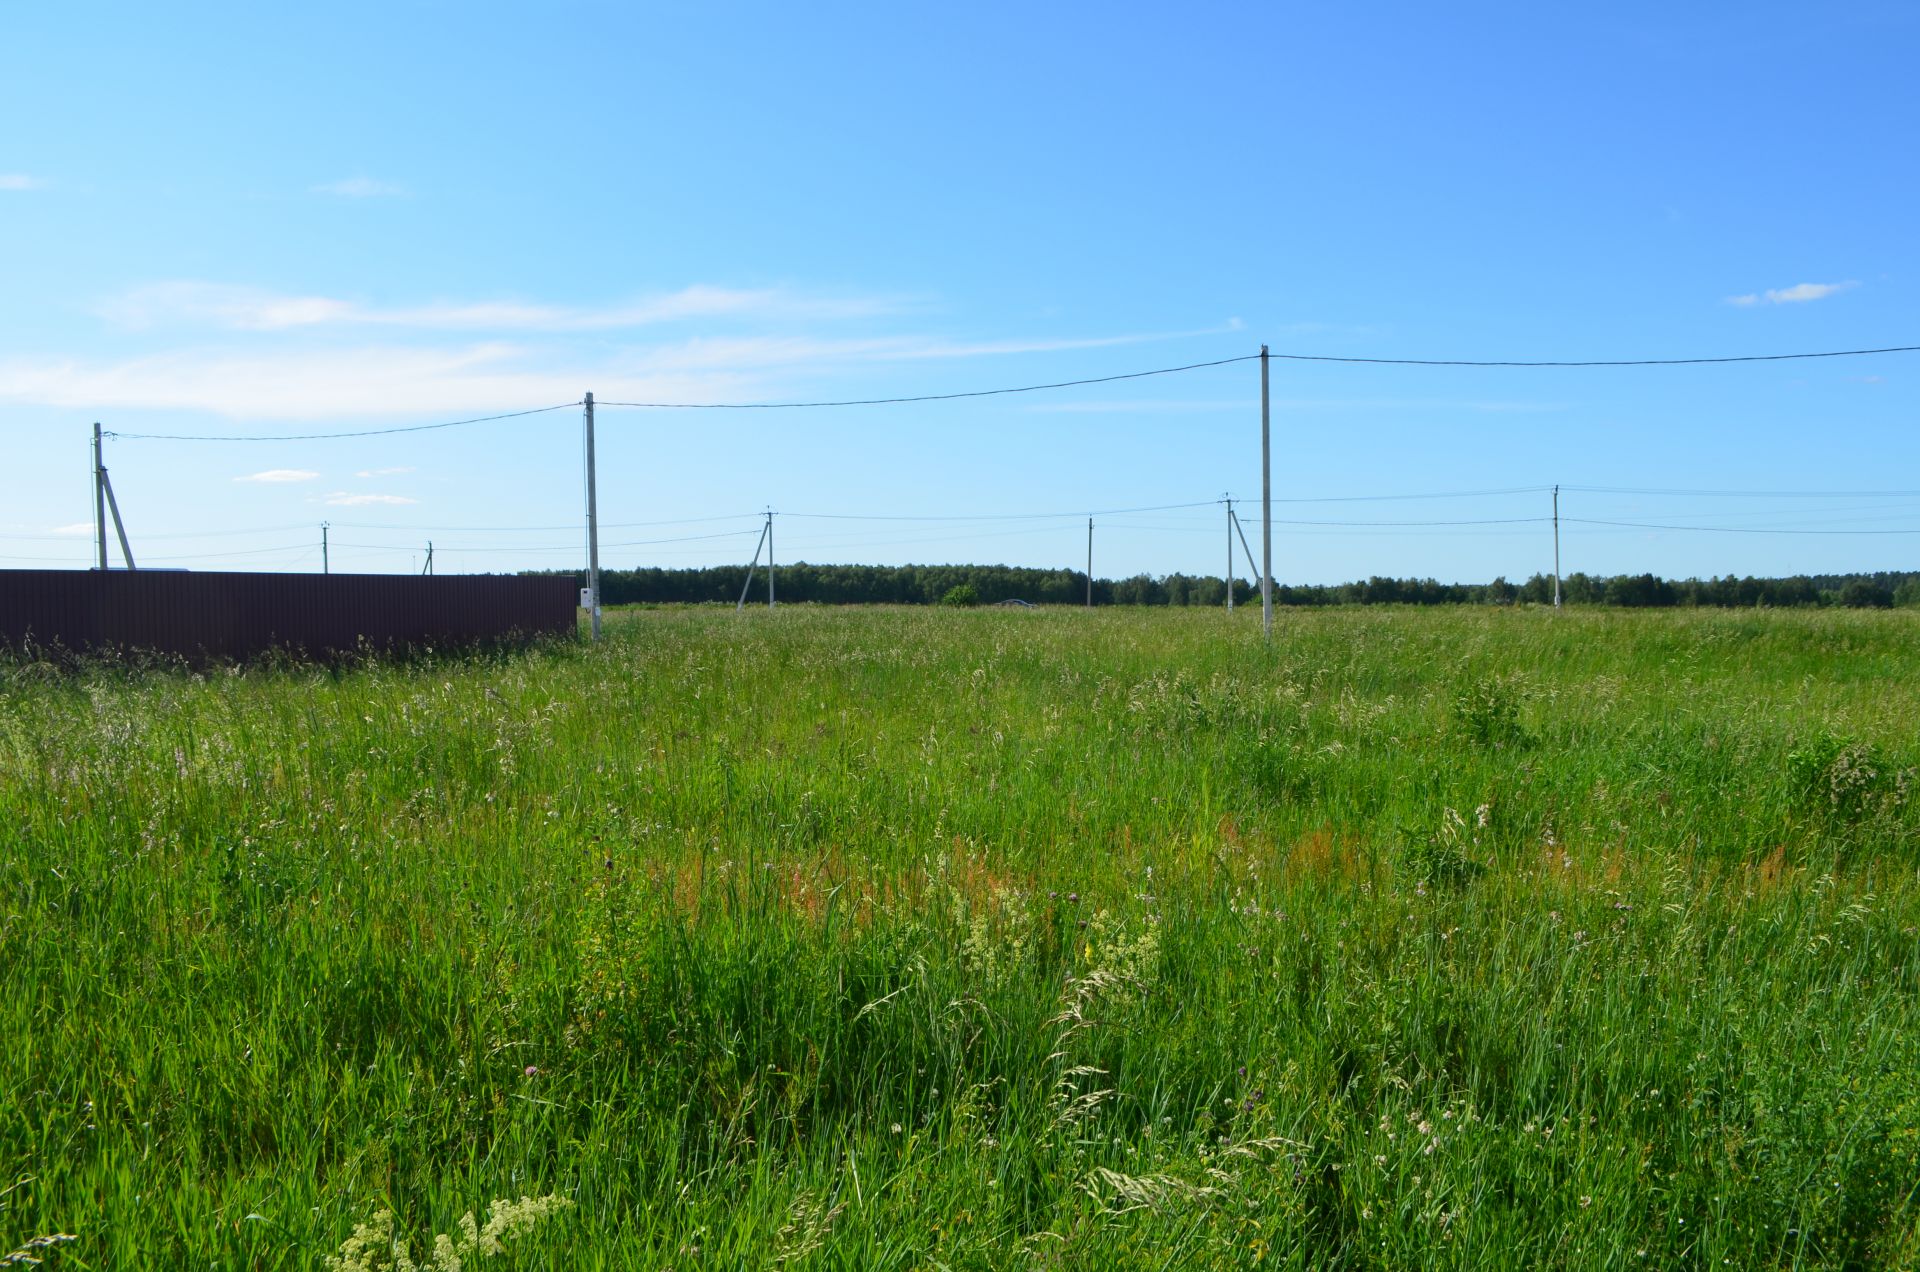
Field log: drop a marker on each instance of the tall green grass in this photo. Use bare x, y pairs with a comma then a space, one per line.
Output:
981, 939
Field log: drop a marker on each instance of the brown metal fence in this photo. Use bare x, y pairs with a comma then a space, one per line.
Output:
239, 615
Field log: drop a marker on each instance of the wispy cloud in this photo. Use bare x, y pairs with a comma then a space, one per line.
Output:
347, 499
253, 309
76, 529
384, 472
989, 348
275, 476
281, 357
1797, 294
361, 187
377, 382
21, 181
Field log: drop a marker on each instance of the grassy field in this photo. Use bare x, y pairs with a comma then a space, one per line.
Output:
934, 938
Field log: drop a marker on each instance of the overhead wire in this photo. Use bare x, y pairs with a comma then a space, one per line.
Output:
1746, 494
1593, 362
1008, 516
998, 392
928, 397
322, 437
1648, 525
547, 547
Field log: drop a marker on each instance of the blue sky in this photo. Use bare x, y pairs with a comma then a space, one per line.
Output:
255, 220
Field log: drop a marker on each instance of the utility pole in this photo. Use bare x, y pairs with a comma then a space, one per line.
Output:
593, 528
104, 503
1089, 562
428, 568
769, 558
99, 499
1266, 503
324, 566
1229, 579
1556, 545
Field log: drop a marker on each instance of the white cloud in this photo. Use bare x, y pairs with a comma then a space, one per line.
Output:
253, 309
397, 382
273, 476
988, 348
1799, 293
381, 383
385, 472
347, 499
76, 528
361, 187
21, 181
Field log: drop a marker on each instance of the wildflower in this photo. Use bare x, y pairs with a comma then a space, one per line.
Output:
532, 1069
897, 1128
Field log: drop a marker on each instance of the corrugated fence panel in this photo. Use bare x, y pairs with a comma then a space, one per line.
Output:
238, 615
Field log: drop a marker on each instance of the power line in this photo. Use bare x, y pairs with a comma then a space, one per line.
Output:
1442, 494
1009, 516
544, 547
192, 556
1647, 525
1279, 521
178, 534
321, 437
1749, 494
926, 397
1025, 388
569, 526
1610, 362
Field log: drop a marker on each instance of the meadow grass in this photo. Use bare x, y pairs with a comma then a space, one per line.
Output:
969, 939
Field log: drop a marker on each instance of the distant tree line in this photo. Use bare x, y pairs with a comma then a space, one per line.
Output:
990, 584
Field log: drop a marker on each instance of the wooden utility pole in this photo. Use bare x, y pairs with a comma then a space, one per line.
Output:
769, 558
593, 528
324, 564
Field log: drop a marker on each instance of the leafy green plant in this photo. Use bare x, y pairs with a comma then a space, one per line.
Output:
1485, 710
1447, 853
1843, 781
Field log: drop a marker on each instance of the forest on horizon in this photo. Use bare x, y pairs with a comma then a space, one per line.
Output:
991, 584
